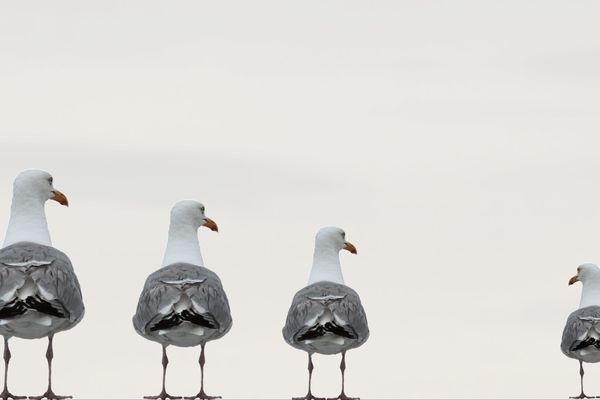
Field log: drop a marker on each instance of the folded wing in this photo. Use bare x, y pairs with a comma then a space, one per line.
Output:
181, 293
326, 308
41, 278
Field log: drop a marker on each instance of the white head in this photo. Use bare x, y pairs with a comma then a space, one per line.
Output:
589, 276
183, 246
586, 273
326, 261
333, 238
31, 189
191, 213
34, 185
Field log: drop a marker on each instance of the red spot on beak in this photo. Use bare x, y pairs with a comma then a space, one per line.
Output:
573, 280
60, 198
210, 224
350, 247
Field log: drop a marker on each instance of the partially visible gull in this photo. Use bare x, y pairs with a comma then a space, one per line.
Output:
39, 292
183, 303
326, 317
581, 336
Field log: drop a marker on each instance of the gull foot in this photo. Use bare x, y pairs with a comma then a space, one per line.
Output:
163, 396
6, 395
309, 396
583, 396
49, 395
343, 396
201, 396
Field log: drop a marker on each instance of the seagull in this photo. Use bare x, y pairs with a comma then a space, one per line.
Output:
183, 303
39, 291
581, 336
326, 317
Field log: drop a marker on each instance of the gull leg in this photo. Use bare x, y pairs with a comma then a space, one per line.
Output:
163, 395
342, 395
201, 395
5, 395
50, 395
309, 395
582, 395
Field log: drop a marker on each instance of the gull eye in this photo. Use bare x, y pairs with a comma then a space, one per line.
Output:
344, 234
202, 209
50, 180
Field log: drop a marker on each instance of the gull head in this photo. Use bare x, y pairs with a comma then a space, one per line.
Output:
585, 273
334, 238
35, 184
191, 212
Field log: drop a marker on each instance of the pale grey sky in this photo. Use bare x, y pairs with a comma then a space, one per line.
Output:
455, 142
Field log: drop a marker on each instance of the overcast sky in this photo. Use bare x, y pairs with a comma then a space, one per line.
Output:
455, 142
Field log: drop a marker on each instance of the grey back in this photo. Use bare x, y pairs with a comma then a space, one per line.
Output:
159, 294
578, 325
50, 269
306, 306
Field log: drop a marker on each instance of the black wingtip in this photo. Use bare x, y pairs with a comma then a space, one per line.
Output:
319, 330
12, 309
43, 306
172, 320
581, 344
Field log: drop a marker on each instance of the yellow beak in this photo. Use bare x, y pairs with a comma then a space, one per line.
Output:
210, 224
60, 198
350, 247
573, 280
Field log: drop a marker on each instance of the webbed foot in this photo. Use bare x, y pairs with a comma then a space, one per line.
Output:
50, 395
163, 396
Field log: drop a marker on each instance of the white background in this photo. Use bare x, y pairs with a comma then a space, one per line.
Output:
455, 142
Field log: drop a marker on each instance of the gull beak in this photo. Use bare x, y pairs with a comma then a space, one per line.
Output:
210, 224
60, 198
573, 280
350, 247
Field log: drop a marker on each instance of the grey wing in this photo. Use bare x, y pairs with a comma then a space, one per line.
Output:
161, 291
60, 287
210, 296
154, 298
302, 315
157, 297
350, 312
50, 269
312, 301
581, 325
12, 275
11, 279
